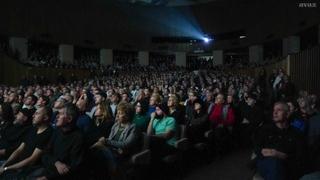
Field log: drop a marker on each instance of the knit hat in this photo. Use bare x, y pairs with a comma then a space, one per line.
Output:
164, 108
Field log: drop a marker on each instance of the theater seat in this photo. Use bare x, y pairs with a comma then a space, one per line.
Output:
181, 145
257, 176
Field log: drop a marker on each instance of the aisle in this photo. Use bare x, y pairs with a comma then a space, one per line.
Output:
231, 167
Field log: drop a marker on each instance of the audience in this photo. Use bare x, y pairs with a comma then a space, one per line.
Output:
98, 122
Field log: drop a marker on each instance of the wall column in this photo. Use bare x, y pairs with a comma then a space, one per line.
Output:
143, 57
181, 59
319, 34
290, 45
217, 56
19, 45
256, 53
66, 53
106, 56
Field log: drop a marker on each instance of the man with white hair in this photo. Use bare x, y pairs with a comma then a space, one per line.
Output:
279, 147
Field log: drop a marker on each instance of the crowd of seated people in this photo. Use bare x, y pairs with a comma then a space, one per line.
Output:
55, 131
195, 62
86, 58
161, 60
122, 58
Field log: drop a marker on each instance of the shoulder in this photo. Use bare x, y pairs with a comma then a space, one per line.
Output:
295, 132
315, 119
266, 128
170, 120
77, 134
132, 126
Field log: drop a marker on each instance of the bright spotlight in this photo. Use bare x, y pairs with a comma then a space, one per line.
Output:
206, 39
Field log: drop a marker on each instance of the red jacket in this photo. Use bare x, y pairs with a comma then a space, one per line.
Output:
218, 116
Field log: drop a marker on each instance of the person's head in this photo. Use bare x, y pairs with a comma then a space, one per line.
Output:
192, 96
280, 112
154, 99
31, 100
99, 97
68, 98
146, 92
140, 95
314, 101
13, 97
125, 113
251, 99
102, 113
125, 97
162, 110
219, 99
172, 101
42, 116
23, 116
67, 116
42, 101
141, 107
209, 96
292, 107
304, 103
49, 92
197, 106
115, 98
230, 99
82, 104
59, 103
15, 107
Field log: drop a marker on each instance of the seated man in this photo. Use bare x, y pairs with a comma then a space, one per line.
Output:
162, 130
32, 147
279, 147
14, 132
65, 148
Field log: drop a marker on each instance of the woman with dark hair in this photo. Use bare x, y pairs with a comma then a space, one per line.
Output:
198, 123
140, 118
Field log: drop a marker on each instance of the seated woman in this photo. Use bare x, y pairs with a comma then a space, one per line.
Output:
198, 124
140, 118
100, 126
162, 130
121, 142
222, 120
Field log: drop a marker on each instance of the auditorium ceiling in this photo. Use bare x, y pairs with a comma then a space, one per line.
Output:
157, 25
165, 2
